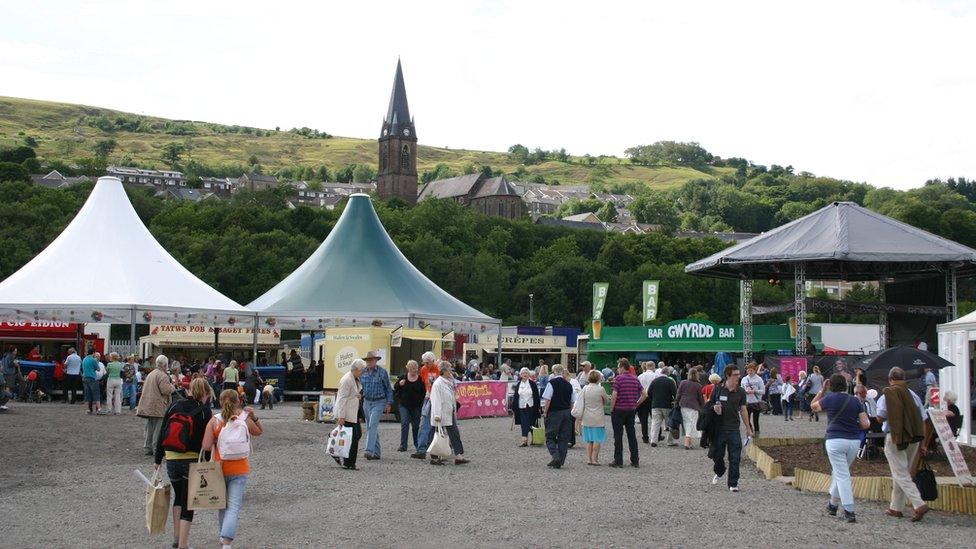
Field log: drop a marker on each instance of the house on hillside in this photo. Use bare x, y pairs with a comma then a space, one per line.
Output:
494, 196
55, 180
585, 217
185, 193
219, 186
148, 178
256, 182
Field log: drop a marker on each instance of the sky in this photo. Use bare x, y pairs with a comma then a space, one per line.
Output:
881, 91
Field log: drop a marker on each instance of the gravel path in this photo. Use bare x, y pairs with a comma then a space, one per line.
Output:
67, 481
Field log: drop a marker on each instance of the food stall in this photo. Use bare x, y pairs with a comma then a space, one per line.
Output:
197, 342
340, 346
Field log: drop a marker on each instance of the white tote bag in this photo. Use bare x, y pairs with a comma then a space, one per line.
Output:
339, 441
440, 446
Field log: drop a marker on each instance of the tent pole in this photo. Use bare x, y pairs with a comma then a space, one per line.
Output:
952, 311
254, 342
216, 341
799, 300
498, 359
132, 332
745, 314
882, 316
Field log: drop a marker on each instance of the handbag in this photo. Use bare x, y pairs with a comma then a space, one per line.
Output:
674, 419
440, 445
157, 504
538, 434
924, 479
339, 441
579, 406
206, 488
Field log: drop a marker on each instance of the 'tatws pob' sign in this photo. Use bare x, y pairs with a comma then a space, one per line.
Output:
692, 329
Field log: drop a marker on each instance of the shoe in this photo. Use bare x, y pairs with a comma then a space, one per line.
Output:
635, 465
434, 461
893, 513
149, 452
849, 517
461, 461
919, 513
687, 447
371, 457
4, 407
402, 449
715, 480
523, 445
734, 489
350, 467
646, 440
817, 418
418, 455
653, 445
552, 463
831, 509
616, 465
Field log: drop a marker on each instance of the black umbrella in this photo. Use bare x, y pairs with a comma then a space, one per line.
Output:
910, 359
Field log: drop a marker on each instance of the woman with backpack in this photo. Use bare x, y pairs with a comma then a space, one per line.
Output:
229, 435
180, 442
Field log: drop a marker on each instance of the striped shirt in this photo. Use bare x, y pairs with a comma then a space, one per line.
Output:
628, 391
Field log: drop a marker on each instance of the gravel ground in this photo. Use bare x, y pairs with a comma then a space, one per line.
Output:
67, 481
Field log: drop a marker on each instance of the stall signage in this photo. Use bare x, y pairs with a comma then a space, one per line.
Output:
650, 291
524, 341
599, 298
40, 326
691, 329
175, 334
951, 447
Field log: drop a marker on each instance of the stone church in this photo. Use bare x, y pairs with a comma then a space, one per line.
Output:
397, 176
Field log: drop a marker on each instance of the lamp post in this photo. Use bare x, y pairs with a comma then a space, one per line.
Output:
531, 309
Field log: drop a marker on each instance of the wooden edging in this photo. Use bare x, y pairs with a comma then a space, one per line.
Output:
952, 497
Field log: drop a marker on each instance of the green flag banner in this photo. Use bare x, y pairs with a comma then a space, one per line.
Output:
650, 299
599, 298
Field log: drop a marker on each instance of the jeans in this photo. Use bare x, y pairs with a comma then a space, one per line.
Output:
788, 407
776, 402
409, 420
624, 420
227, 518
69, 386
842, 452
92, 393
454, 436
426, 432
559, 428
129, 391
754, 414
643, 412
153, 426
178, 471
659, 418
373, 409
732, 441
114, 387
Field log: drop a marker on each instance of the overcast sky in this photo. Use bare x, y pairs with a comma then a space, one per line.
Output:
880, 91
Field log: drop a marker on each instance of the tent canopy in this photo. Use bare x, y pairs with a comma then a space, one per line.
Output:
358, 275
105, 265
841, 241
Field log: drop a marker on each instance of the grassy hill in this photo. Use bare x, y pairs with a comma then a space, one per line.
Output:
67, 132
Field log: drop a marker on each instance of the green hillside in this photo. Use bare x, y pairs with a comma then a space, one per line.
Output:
68, 133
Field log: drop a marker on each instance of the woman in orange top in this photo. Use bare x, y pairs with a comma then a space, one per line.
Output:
235, 471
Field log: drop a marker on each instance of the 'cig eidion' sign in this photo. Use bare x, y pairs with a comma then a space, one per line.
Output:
691, 329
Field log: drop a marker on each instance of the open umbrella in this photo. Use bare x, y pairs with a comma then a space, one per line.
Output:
910, 359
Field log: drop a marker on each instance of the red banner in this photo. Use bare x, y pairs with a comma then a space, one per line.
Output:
40, 329
482, 398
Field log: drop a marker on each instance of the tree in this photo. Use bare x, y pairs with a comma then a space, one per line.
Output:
30, 142
519, 153
670, 153
607, 212
574, 206
487, 171
252, 160
10, 171
655, 209
104, 147
363, 173
322, 173
17, 155
172, 154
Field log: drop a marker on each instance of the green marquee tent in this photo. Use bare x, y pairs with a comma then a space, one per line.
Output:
356, 276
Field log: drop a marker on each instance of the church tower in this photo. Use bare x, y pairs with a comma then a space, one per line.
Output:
397, 177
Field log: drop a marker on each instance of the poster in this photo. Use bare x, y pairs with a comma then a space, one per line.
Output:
482, 398
326, 409
599, 298
951, 447
791, 366
650, 292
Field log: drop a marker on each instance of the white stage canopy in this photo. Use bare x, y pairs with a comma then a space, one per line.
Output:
956, 340
107, 267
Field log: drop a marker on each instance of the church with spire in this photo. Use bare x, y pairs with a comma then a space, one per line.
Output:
397, 176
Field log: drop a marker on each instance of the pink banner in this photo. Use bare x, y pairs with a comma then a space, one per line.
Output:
482, 398
791, 366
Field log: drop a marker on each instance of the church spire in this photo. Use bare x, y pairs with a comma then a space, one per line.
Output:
398, 114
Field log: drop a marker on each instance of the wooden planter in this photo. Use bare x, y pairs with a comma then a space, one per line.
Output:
764, 462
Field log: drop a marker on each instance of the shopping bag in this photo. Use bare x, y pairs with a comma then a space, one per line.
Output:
339, 441
674, 420
538, 434
157, 504
440, 445
205, 486
924, 479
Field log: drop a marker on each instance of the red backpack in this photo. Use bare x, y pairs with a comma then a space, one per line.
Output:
178, 431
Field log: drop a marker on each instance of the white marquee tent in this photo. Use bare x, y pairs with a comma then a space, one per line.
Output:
956, 340
107, 267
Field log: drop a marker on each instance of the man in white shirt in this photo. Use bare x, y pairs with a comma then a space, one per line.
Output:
644, 410
900, 459
72, 376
